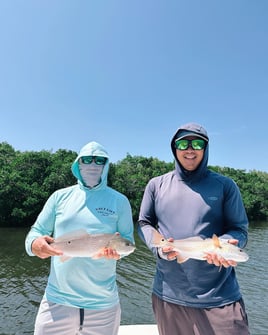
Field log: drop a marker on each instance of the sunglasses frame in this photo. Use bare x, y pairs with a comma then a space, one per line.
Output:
196, 144
99, 160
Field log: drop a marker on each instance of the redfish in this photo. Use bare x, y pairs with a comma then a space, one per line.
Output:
81, 244
197, 248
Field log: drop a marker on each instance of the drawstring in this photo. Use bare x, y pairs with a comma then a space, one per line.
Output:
82, 314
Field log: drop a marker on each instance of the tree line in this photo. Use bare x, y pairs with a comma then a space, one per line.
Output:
28, 178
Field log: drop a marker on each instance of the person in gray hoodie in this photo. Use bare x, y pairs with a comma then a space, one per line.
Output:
197, 296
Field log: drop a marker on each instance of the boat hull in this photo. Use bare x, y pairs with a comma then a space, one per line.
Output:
138, 329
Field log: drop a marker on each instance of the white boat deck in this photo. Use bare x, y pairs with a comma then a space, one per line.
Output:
138, 329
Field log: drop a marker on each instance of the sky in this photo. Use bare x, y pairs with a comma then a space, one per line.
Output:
129, 73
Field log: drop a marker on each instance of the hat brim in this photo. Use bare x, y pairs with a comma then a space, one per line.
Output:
191, 134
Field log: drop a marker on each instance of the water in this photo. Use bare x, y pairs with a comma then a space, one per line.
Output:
23, 279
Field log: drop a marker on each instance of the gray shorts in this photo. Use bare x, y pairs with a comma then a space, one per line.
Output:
180, 320
64, 320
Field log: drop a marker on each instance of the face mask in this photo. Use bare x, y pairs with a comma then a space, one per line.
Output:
91, 173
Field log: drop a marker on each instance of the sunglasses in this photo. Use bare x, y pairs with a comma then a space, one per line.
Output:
99, 160
196, 144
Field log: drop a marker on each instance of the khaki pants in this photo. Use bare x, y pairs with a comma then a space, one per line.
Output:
55, 319
180, 320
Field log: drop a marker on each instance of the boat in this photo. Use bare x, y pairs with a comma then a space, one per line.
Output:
147, 329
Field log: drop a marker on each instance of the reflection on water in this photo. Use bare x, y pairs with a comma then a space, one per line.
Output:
134, 276
253, 279
23, 279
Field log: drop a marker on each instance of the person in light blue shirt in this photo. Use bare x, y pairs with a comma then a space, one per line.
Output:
196, 296
81, 296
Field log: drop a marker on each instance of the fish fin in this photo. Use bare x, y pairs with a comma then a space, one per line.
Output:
99, 253
115, 236
216, 241
64, 258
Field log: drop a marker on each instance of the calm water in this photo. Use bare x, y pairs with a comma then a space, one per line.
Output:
23, 278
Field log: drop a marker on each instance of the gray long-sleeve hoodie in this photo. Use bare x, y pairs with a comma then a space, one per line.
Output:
182, 204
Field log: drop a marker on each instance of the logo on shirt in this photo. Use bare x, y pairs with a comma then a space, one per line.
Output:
105, 211
213, 198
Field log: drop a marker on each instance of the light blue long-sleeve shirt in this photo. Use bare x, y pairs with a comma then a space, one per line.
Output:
83, 282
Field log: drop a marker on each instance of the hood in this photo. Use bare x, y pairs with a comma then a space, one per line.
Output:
191, 129
92, 149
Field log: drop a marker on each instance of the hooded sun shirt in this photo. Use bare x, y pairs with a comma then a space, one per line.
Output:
84, 282
182, 204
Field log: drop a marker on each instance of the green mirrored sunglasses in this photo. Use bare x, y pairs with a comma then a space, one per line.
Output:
196, 144
99, 160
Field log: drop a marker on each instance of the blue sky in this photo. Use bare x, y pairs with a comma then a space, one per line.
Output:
128, 73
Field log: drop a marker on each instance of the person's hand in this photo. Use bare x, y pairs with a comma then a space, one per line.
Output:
108, 253
42, 249
220, 261
167, 252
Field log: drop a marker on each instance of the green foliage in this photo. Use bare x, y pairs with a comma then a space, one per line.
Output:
130, 176
26, 181
28, 178
253, 186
